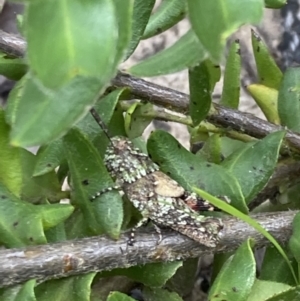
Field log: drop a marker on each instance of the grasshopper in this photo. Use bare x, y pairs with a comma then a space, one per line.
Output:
157, 197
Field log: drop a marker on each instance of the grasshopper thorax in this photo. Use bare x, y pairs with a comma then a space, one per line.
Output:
127, 163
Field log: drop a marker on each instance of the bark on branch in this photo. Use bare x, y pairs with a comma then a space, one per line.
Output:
92, 254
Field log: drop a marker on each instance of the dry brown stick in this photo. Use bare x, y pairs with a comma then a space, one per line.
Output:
86, 255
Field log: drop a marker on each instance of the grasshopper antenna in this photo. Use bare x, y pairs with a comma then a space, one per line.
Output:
101, 124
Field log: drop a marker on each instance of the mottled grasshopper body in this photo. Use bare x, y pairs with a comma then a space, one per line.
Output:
158, 197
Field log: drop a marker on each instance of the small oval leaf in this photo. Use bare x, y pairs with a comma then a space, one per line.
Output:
202, 79
59, 47
288, 99
269, 73
237, 276
167, 15
141, 12
231, 84
186, 52
214, 21
68, 104
266, 98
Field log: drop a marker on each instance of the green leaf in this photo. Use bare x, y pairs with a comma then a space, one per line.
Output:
23, 224
152, 274
16, 171
202, 79
52, 155
288, 99
135, 119
57, 233
10, 166
111, 115
24, 292
264, 290
89, 175
166, 15
211, 150
274, 267
267, 99
14, 99
33, 108
294, 242
231, 84
159, 294
76, 226
181, 282
117, 296
13, 68
186, 52
76, 288
237, 276
70, 38
124, 11
49, 157
234, 212
254, 164
269, 73
52, 215
141, 12
189, 170
214, 21
291, 295
35, 189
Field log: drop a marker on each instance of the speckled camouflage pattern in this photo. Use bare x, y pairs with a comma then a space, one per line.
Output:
157, 196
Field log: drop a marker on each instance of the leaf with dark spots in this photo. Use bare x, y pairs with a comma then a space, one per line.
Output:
240, 268
262, 155
176, 162
202, 79
102, 215
30, 221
